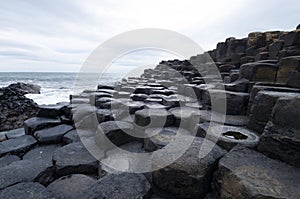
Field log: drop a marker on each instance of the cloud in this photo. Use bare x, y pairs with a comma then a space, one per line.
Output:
59, 35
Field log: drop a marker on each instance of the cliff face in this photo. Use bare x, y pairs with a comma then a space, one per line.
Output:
15, 107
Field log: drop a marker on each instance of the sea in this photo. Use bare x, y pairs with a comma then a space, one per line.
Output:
57, 87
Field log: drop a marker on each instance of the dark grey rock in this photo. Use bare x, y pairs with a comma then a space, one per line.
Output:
281, 143
240, 85
262, 106
228, 136
8, 159
26, 171
17, 145
182, 116
294, 80
287, 65
258, 72
189, 176
71, 137
245, 173
115, 131
74, 158
71, 186
116, 186
37, 123
138, 97
53, 111
52, 134
154, 118
42, 152
28, 190
15, 133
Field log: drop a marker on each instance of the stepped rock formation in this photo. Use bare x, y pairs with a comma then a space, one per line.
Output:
253, 148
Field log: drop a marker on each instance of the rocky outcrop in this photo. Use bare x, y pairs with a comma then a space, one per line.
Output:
252, 147
15, 107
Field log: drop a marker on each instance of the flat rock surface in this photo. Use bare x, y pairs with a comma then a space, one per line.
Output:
36, 123
245, 173
8, 159
28, 190
119, 186
17, 145
25, 171
41, 152
71, 186
189, 176
74, 158
52, 134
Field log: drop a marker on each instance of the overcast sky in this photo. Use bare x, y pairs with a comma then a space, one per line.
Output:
58, 35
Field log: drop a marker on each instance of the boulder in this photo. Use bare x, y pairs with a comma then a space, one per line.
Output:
294, 80
37, 123
115, 186
74, 159
28, 190
189, 176
71, 186
240, 85
53, 111
292, 38
228, 136
258, 72
245, 173
262, 106
114, 132
287, 66
17, 146
236, 102
280, 138
154, 118
26, 171
182, 116
52, 134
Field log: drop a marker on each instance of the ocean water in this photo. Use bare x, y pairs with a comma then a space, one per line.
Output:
56, 87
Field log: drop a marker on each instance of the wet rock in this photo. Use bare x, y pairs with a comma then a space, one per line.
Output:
52, 134
228, 136
37, 123
74, 158
154, 118
245, 173
128, 185
18, 145
189, 176
143, 90
104, 115
7, 160
28, 190
26, 171
115, 132
71, 186
105, 86
23, 88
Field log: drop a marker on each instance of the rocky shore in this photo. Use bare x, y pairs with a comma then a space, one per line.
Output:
257, 151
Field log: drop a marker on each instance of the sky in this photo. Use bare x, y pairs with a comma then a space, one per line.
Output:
59, 35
